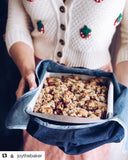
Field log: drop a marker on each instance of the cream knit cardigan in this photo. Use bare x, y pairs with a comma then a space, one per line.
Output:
76, 33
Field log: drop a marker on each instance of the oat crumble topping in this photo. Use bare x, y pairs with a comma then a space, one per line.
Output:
72, 96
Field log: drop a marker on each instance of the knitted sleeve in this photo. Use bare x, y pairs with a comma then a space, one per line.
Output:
18, 26
123, 51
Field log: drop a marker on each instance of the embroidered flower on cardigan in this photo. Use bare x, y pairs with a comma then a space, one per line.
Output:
85, 32
30, 0
117, 21
40, 26
98, 1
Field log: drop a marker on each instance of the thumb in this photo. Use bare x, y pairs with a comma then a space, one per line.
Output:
31, 79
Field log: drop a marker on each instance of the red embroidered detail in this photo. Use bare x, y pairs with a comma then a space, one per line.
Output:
98, 1
83, 36
30, 0
117, 21
85, 32
40, 26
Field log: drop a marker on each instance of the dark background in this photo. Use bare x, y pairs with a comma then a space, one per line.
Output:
10, 140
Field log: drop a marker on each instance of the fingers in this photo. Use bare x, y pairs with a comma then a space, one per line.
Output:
107, 68
28, 81
21, 88
31, 80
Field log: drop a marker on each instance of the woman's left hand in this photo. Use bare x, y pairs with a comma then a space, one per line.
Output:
121, 73
107, 68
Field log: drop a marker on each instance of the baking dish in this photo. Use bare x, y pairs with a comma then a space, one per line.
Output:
69, 119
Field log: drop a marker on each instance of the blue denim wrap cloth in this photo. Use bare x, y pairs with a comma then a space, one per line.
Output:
73, 138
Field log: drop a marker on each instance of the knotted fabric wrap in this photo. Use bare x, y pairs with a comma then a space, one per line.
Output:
73, 139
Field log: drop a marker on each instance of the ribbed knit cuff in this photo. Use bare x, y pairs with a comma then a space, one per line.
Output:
122, 54
14, 36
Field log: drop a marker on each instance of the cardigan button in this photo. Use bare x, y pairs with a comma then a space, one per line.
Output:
59, 54
62, 42
62, 9
62, 26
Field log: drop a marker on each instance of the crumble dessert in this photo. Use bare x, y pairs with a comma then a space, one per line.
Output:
72, 96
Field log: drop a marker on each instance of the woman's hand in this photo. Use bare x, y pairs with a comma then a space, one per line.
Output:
27, 82
121, 73
23, 56
107, 68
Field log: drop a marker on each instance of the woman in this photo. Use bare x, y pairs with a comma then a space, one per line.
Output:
71, 32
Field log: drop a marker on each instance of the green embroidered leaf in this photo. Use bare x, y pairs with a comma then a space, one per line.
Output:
39, 25
119, 18
86, 31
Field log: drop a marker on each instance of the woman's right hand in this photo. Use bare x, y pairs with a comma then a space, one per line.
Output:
27, 82
23, 56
